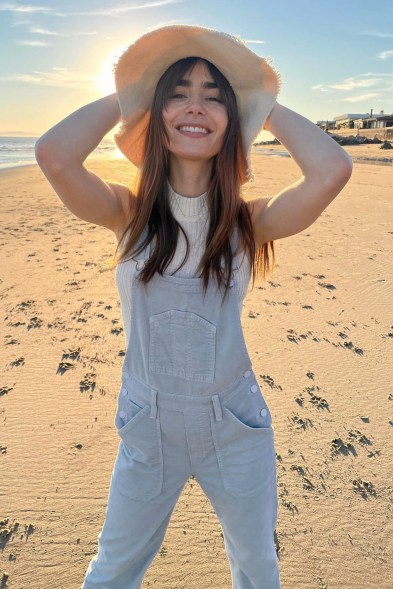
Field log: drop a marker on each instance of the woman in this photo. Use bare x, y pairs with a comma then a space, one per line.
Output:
192, 102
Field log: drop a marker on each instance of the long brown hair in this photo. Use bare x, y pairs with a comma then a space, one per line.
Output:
227, 209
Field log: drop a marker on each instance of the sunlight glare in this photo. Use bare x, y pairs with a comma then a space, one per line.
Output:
105, 80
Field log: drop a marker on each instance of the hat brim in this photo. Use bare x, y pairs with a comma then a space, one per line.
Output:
255, 82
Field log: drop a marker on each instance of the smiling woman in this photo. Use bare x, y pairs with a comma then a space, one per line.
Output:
192, 101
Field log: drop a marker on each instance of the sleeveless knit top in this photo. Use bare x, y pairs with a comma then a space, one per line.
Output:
192, 214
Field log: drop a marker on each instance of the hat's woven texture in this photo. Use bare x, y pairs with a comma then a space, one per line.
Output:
256, 83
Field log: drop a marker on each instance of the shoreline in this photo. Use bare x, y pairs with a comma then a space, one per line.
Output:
368, 155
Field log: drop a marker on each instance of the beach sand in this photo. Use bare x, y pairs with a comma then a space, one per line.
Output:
319, 332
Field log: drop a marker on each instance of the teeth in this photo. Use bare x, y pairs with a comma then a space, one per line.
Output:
193, 129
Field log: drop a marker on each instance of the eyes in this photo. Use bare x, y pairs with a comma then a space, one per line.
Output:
208, 98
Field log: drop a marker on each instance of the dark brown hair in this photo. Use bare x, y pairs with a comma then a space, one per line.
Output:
227, 209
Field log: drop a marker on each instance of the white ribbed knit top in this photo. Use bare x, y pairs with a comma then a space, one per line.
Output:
192, 214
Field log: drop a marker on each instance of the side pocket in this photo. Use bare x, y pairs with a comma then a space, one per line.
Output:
244, 443
139, 471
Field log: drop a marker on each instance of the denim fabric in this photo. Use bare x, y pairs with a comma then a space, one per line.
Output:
189, 404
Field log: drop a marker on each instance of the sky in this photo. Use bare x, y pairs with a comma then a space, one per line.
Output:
334, 56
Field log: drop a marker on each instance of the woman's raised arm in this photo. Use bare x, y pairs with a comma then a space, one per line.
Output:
60, 153
326, 168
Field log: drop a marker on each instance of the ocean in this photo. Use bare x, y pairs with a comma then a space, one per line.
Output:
16, 152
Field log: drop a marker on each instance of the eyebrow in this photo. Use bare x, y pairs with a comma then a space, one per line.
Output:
188, 83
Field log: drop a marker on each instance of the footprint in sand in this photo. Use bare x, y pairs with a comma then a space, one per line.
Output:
88, 382
18, 362
5, 390
319, 402
338, 446
300, 422
283, 494
64, 366
34, 322
307, 484
11, 342
390, 333
70, 353
365, 488
327, 285
270, 381
117, 330
25, 304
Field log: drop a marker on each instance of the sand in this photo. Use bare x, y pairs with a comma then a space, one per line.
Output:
319, 332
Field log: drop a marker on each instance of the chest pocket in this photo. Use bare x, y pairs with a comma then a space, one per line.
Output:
182, 344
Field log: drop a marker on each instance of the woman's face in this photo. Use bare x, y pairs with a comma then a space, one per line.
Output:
193, 104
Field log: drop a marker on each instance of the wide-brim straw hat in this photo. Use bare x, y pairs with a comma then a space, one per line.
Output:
255, 82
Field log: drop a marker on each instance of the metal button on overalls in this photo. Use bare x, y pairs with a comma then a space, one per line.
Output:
184, 409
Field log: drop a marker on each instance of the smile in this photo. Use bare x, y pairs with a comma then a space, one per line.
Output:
195, 132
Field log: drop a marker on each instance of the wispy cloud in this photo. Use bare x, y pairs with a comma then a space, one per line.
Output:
20, 22
361, 97
252, 41
379, 83
38, 31
58, 77
34, 43
117, 11
23, 8
114, 12
386, 54
44, 32
378, 34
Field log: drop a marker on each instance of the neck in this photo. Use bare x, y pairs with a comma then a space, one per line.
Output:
191, 178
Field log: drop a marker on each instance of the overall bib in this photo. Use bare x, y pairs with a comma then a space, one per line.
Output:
189, 405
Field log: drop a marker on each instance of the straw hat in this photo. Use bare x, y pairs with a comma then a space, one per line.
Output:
255, 83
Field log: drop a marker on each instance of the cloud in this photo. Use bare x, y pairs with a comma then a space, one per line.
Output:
38, 31
58, 77
378, 34
361, 97
44, 32
113, 12
117, 11
23, 8
386, 54
378, 83
33, 43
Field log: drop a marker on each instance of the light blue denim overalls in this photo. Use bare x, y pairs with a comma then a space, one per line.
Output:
189, 404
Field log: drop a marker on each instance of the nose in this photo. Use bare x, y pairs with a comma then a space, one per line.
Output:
195, 104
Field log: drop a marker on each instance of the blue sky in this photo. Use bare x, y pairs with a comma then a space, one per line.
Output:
334, 56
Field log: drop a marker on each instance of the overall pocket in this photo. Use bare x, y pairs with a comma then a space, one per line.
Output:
244, 443
139, 470
182, 344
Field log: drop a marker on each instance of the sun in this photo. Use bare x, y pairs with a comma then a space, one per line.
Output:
105, 80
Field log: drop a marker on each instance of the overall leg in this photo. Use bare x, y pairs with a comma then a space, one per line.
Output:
248, 526
238, 475
133, 530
